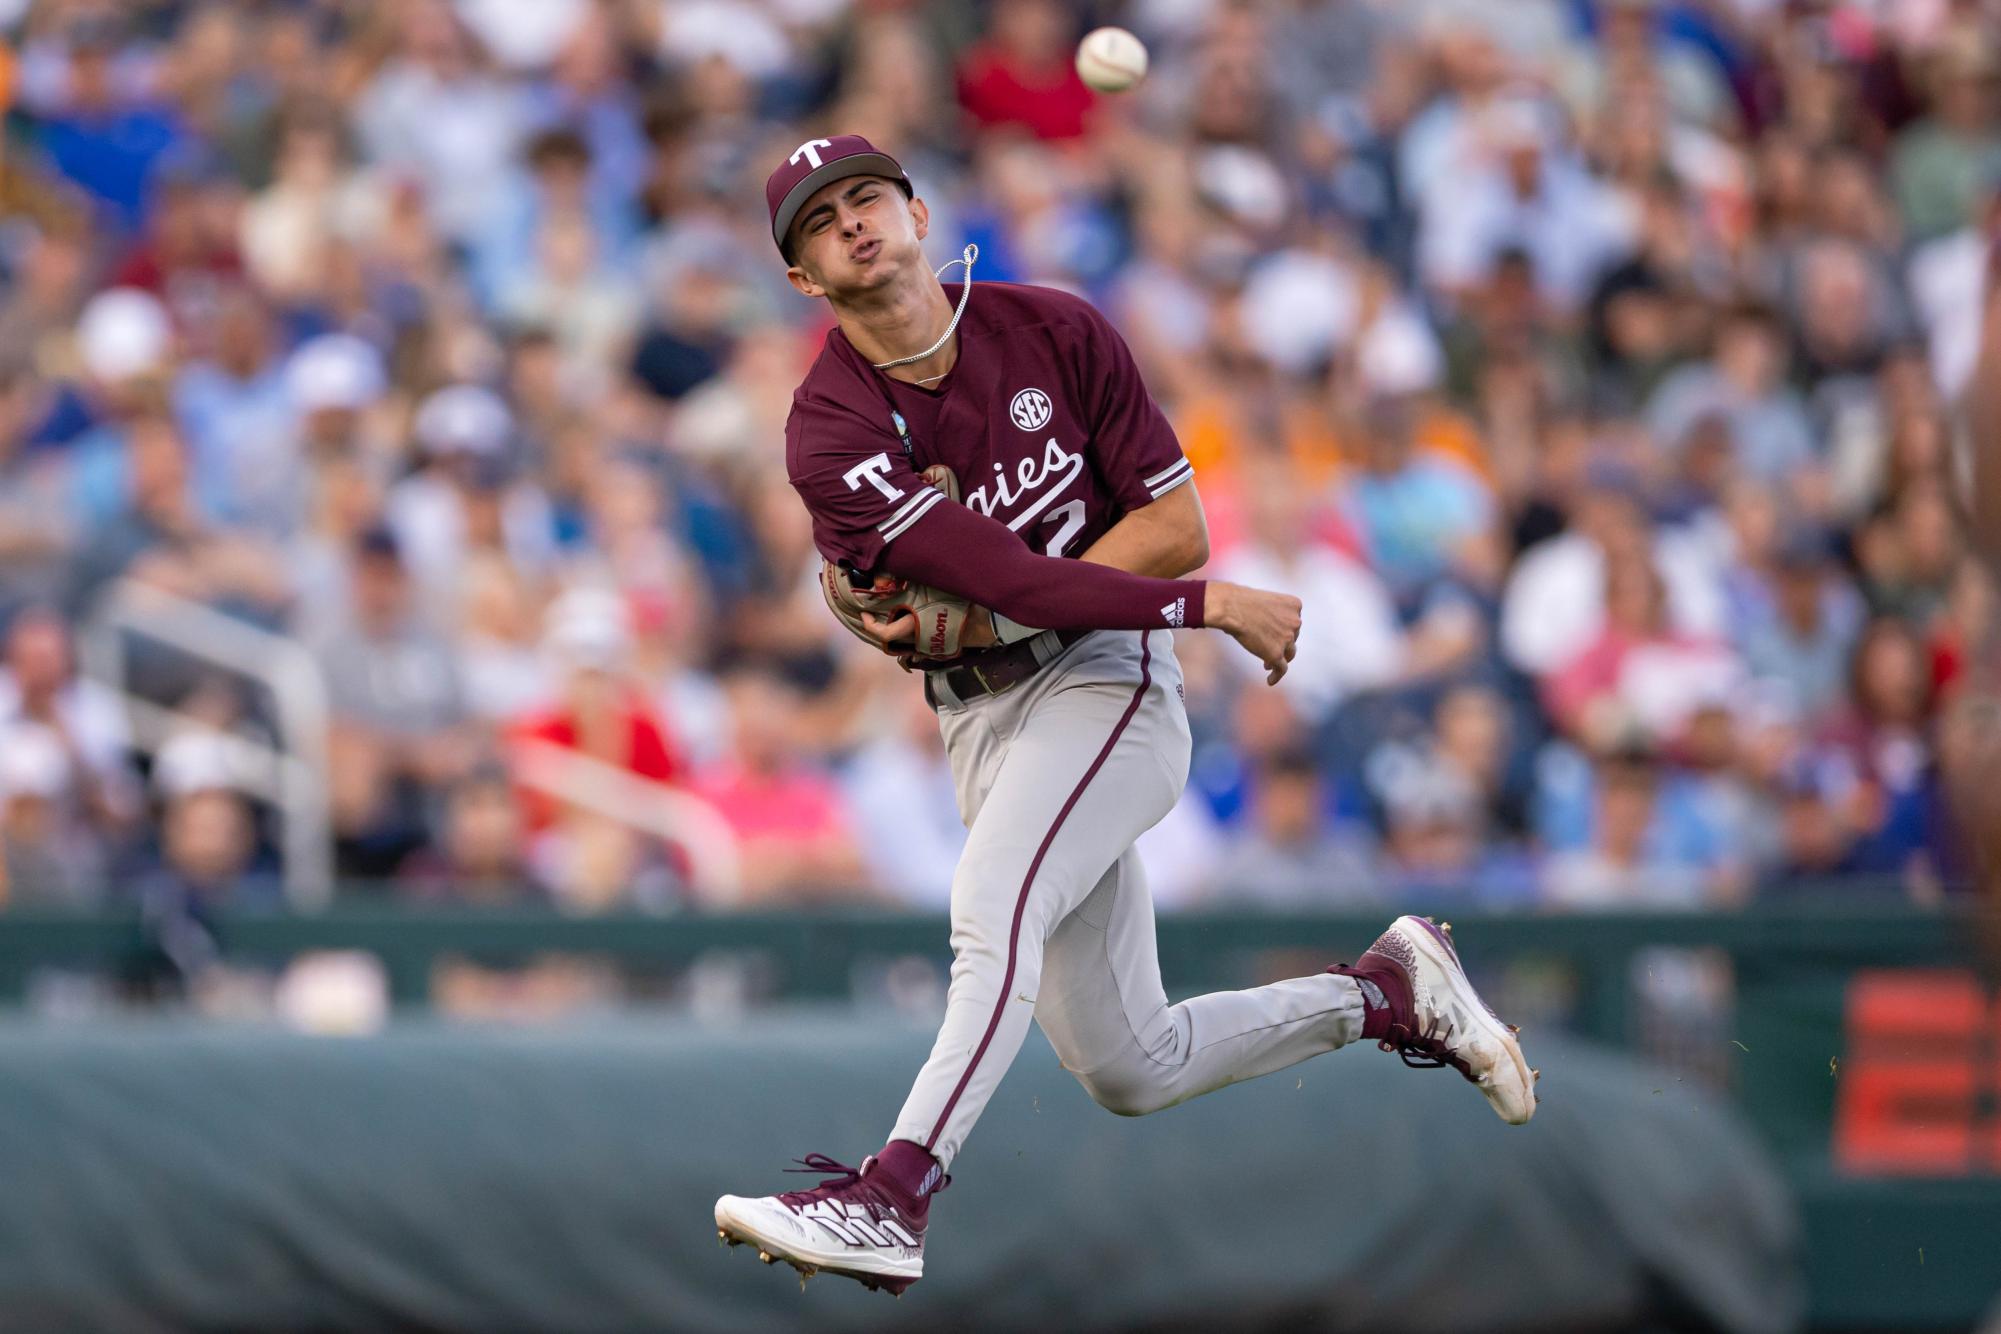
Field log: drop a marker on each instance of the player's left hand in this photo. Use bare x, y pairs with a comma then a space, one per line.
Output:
897, 635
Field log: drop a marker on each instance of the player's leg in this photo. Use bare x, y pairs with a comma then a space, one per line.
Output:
1088, 770
1056, 784
1106, 1013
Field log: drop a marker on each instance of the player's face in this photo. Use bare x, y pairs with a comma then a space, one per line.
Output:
856, 236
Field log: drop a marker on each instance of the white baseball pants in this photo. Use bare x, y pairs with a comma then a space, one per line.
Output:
1050, 913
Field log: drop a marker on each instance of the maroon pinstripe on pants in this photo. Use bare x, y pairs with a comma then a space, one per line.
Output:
1028, 881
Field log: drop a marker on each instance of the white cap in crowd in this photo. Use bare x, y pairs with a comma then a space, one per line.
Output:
524, 36
589, 627
1399, 355
463, 419
197, 762
1300, 308
32, 762
122, 334
335, 372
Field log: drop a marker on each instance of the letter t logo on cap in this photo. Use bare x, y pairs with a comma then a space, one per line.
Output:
810, 150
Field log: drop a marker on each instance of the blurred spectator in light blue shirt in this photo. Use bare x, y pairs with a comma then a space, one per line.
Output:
1414, 509
586, 85
466, 496
1586, 815
1806, 633
1744, 385
237, 417
1939, 165
557, 180
1643, 849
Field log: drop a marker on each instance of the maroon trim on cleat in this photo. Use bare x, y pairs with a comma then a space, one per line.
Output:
1021, 900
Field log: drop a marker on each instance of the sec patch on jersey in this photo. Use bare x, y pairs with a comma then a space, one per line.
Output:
1031, 409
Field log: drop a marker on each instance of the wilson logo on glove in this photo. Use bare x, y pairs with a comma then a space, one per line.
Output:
941, 634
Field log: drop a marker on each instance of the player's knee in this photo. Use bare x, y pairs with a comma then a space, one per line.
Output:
1122, 1093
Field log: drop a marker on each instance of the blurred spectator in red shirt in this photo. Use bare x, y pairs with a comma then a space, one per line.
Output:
582, 851
796, 833
1024, 73
598, 711
187, 256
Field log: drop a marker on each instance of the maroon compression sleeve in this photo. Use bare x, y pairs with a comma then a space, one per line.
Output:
976, 557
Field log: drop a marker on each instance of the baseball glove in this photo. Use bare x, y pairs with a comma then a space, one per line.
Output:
941, 616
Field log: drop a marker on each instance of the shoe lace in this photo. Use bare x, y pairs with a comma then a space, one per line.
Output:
1429, 1049
839, 1177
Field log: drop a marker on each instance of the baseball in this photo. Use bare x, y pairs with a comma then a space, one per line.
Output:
1111, 60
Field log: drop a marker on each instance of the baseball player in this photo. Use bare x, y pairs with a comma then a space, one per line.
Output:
1001, 501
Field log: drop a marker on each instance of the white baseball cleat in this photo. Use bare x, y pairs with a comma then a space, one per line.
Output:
1451, 1025
849, 1225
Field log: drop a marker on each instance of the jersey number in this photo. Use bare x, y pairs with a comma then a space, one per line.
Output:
1070, 517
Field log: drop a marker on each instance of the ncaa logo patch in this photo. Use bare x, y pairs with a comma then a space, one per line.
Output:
1030, 409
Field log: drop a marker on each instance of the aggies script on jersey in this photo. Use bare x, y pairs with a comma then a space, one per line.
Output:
1044, 418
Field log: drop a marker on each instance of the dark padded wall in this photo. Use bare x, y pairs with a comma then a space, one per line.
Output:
167, 1177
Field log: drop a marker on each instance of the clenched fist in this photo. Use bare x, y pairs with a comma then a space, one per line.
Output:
1266, 624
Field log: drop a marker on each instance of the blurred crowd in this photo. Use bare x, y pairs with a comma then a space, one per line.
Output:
1590, 368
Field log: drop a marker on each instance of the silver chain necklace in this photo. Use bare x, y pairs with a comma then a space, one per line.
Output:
971, 253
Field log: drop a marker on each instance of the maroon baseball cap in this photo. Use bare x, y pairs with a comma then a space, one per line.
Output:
816, 162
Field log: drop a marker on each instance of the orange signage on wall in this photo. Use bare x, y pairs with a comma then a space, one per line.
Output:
1921, 1084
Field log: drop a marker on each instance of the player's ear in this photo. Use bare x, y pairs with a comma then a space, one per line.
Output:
804, 282
920, 218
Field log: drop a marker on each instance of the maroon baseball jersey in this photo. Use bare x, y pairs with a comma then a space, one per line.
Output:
1043, 417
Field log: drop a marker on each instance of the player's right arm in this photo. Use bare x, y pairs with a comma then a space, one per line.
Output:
872, 510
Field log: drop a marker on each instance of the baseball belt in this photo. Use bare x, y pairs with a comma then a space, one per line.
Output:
996, 671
